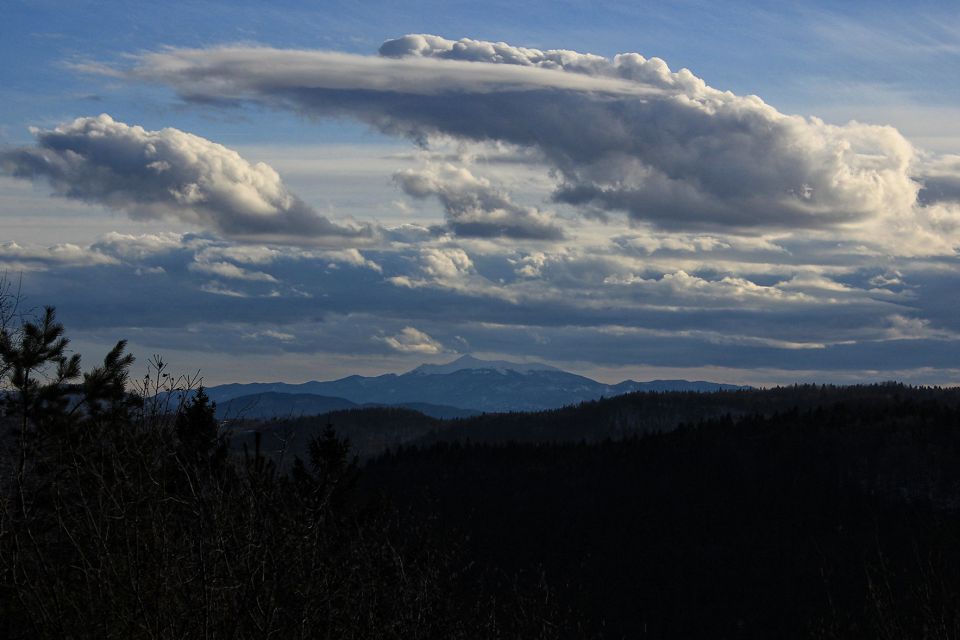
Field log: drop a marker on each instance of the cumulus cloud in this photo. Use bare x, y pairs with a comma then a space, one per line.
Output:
474, 207
724, 291
662, 146
531, 265
139, 246
22, 257
241, 254
452, 269
903, 327
350, 257
411, 340
172, 174
650, 243
448, 267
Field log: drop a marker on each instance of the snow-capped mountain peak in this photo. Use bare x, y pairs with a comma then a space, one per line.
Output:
470, 362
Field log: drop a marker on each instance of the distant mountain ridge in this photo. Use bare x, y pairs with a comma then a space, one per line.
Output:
467, 383
469, 362
276, 404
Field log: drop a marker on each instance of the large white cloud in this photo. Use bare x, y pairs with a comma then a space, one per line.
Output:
672, 151
172, 174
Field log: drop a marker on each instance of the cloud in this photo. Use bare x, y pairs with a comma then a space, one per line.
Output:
220, 290
622, 134
19, 257
531, 265
350, 257
411, 340
474, 207
941, 180
242, 254
911, 328
447, 267
231, 73
450, 269
650, 243
172, 174
138, 247
230, 271
270, 334
724, 291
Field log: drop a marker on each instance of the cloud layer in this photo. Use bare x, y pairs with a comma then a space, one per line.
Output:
172, 174
663, 307
622, 134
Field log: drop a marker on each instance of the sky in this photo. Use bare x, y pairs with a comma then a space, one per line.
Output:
742, 191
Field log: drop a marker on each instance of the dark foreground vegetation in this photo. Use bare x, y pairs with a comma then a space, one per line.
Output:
124, 517
836, 522
806, 512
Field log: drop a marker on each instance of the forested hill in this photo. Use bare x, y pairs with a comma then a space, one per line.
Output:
639, 413
272, 404
370, 431
841, 521
373, 430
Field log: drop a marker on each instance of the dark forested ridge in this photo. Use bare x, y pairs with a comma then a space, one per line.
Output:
650, 412
809, 511
273, 404
840, 521
372, 430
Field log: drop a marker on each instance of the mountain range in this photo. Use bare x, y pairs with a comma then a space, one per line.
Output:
467, 385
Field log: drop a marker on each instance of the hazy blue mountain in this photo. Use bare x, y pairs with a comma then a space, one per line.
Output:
276, 404
467, 383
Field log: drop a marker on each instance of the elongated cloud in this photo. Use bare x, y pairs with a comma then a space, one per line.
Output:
17, 257
172, 174
622, 134
227, 73
411, 340
474, 207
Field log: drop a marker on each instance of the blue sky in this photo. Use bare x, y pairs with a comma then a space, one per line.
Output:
621, 220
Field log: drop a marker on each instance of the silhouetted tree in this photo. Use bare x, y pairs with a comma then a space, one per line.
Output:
125, 516
200, 442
